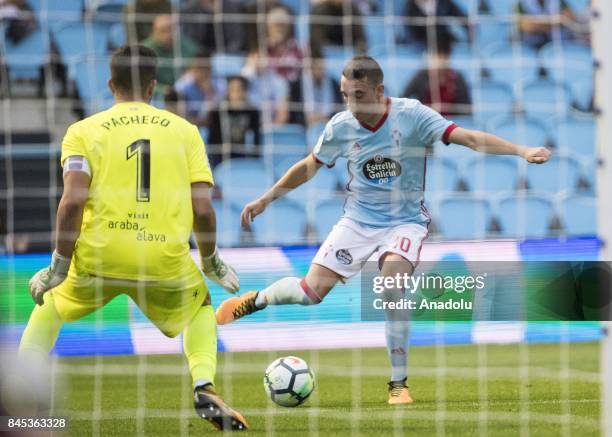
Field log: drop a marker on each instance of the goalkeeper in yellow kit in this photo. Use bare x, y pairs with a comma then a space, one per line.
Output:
136, 182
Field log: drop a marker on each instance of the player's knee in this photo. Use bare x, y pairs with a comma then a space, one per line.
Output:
170, 334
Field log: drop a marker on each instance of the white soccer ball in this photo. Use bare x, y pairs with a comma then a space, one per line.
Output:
289, 381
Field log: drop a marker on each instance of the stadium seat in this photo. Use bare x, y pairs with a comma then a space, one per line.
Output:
242, 180
463, 218
501, 8
116, 35
58, 13
490, 99
491, 32
465, 121
588, 174
558, 174
91, 77
469, 7
492, 174
521, 130
576, 136
578, 5
228, 223
313, 133
458, 154
581, 88
378, 33
399, 70
467, 62
227, 65
542, 98
322, 186
284, 142
327, 214
579, 215
77, 40
335, 59
514, 65
287, 129
570, 63
441, 175
25, 59
283, 223
408, 51
524, 215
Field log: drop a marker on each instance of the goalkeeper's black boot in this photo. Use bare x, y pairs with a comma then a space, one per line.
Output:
236, 307
399, 393
209, 406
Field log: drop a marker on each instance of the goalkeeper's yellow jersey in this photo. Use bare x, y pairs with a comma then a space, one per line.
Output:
138, 218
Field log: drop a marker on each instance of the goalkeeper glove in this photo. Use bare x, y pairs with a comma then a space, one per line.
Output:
49, 277
221, 273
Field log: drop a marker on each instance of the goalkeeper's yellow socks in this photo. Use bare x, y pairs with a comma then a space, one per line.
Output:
200, 346
42, 330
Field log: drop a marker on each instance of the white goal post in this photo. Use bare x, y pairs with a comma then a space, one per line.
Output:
602, 54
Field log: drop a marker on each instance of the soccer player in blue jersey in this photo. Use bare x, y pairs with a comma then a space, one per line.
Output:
384, 140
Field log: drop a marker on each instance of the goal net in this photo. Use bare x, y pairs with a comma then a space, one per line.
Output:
261, 79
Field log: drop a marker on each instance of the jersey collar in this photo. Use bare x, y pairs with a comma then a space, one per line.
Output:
381, 121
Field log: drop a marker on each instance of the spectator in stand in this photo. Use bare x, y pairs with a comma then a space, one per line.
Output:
234, 126
320, 93
139, 17
284, 53
438, 85
268, 89
17, 19
199, 90
328, 26
539, 21
173, 102
171, 56
417, 31
197, 23
253, 31
200, 23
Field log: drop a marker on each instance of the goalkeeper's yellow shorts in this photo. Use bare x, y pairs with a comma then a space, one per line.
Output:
169, 304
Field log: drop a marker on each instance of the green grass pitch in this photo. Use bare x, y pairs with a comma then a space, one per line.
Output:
458, 390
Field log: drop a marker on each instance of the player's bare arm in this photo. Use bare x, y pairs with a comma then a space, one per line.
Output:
205, 227
69, 218
298, 174
489, 143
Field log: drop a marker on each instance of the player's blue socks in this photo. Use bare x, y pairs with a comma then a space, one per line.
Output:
289, 290
397, 333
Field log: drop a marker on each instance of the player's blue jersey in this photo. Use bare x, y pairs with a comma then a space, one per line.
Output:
386, 162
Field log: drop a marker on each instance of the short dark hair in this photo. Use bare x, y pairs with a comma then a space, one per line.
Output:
444, 42
243, 80
133, 68
364, 67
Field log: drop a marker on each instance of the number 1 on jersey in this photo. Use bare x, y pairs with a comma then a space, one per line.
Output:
142, 150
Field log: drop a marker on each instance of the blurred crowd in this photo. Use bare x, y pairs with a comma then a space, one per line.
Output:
283, 81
